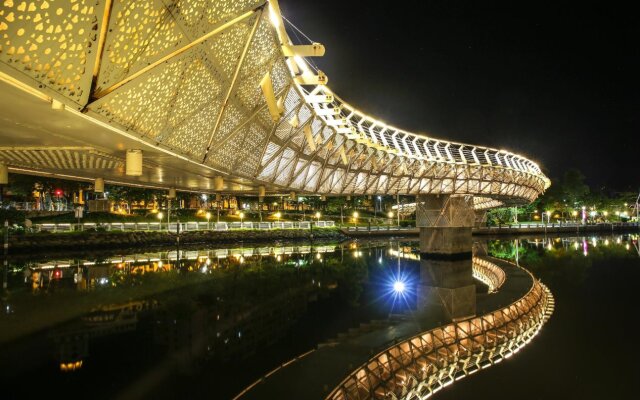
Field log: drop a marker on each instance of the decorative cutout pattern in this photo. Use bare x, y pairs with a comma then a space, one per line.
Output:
68, 158
140, 32
53, 42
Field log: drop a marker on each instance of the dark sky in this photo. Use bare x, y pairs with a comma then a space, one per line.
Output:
555, 82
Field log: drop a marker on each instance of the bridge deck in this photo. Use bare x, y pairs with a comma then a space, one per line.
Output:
316, 374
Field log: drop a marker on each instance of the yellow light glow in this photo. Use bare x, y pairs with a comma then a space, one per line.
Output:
160, 215
390, 214
208, 215
356, 214
318, 215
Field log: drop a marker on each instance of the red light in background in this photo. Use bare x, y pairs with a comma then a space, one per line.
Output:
57, 274
58, 192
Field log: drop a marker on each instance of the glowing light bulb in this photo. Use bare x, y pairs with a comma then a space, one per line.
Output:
398, 286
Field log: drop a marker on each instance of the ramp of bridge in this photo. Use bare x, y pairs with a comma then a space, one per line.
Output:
217, 87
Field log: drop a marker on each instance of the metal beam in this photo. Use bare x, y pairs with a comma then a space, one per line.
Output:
232, 85
175, 53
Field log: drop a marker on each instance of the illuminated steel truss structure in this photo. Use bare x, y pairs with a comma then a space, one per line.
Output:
488, 273
422, 365
219, 83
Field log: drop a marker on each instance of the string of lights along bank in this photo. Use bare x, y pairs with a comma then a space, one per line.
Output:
212, 95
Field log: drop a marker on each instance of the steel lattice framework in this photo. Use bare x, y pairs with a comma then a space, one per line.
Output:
422, 365
220, 84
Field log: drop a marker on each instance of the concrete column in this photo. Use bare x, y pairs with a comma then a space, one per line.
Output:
261, 193
98, 186
446, 277
4, 174
133, 165
218, 183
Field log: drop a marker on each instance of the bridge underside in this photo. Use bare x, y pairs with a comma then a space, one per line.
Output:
210, 88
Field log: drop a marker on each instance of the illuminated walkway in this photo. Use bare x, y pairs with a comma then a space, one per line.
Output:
316, 374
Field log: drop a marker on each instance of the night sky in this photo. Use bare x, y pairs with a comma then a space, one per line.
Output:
556, 83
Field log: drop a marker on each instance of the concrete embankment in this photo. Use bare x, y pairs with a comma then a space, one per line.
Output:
28, 243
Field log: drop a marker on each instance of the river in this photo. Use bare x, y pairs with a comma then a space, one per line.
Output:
210, 321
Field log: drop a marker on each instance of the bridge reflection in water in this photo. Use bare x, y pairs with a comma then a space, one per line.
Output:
422, 365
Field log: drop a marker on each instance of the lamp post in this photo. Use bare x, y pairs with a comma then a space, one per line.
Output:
548, 216
160, 216
318, 215
390, 215
278, 215
241, 217
208, 215
355, 218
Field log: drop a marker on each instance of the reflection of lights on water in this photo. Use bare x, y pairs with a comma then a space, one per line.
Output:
103, 281
618, 240
160, 264
279, 258
576, 245
204, 269
318, 256
380, 260
398, 287
208, 262
70, 366
606, 242
549, 247
627, 246
594, 242
585, 248
241, 259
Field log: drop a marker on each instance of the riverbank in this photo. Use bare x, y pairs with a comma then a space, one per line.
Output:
83, 241
499, 231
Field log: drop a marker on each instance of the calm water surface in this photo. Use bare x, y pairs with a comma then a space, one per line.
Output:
210, 321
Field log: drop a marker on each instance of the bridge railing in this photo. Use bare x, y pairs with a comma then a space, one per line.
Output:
182, 226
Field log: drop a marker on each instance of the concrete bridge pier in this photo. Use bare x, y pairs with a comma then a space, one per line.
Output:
446, 276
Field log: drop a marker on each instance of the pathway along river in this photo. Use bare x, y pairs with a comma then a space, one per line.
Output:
207, 322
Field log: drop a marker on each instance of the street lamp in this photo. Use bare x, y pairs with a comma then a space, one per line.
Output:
318, 215
548, 216
208, 215
278, 215
241, 217
160, 216
390, 215
355, 217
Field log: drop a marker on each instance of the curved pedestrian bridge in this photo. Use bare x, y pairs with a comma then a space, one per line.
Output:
209, 90
414, 358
